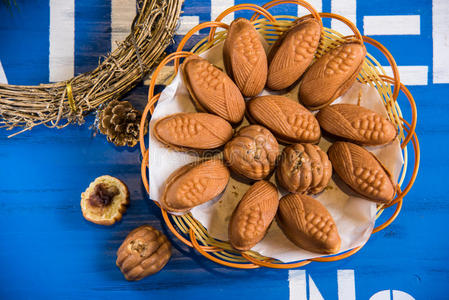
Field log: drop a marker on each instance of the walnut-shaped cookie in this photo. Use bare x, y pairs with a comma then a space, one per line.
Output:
105, 200
144, 252
304, 168
308, 224
252, 153
253, 215
245, 58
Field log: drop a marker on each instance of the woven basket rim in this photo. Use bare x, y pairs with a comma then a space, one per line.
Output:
190, 231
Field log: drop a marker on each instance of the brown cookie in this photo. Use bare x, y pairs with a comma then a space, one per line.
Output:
308, 224
253, 215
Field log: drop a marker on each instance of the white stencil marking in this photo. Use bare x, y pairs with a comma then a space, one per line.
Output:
62, 40
392, 25
440, 32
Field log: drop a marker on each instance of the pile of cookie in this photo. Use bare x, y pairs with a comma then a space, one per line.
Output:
252, 153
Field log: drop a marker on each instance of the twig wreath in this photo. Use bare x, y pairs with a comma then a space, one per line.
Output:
49, 104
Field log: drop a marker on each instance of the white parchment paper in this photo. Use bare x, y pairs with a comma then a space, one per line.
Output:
354, 216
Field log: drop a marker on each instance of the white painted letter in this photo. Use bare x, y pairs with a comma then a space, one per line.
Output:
297, 284
346, 284
314, 293
218, 6
382, 295
386, 295
400, 295
410, 75
440, 11
346, 8
3, 78
392, 25
317, 4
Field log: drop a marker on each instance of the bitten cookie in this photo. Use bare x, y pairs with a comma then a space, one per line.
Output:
105, 200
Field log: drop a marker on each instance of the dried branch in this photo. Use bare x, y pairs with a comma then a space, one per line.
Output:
48, 104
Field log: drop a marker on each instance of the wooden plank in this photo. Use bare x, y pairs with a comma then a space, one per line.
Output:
62, 40
48, 251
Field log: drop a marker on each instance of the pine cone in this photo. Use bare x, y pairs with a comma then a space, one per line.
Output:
120, 122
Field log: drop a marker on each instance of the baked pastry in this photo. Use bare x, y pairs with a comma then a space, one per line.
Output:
331, 75
212, 90
357, 124
145, 251
245, 58
252, 153
253, 215
362, 171
105, 200
192, 131
288, 120
194, 184
308, 224
292, 53
304, 168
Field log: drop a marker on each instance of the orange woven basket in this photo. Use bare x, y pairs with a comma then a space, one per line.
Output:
190, 231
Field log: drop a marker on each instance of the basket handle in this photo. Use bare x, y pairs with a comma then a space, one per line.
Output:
148, 108
348, 23
153, 99
399, 198
398, 86
170, 226
210, 24
391, 61
173, 56
417, 157
303, 262
391, 219
302, 3
412, 103
249, 6
268, 264
143, 171
217, 260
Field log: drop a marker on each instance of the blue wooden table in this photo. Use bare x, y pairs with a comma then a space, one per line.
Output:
47, 249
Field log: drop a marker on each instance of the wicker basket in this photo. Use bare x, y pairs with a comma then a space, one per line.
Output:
189, 230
